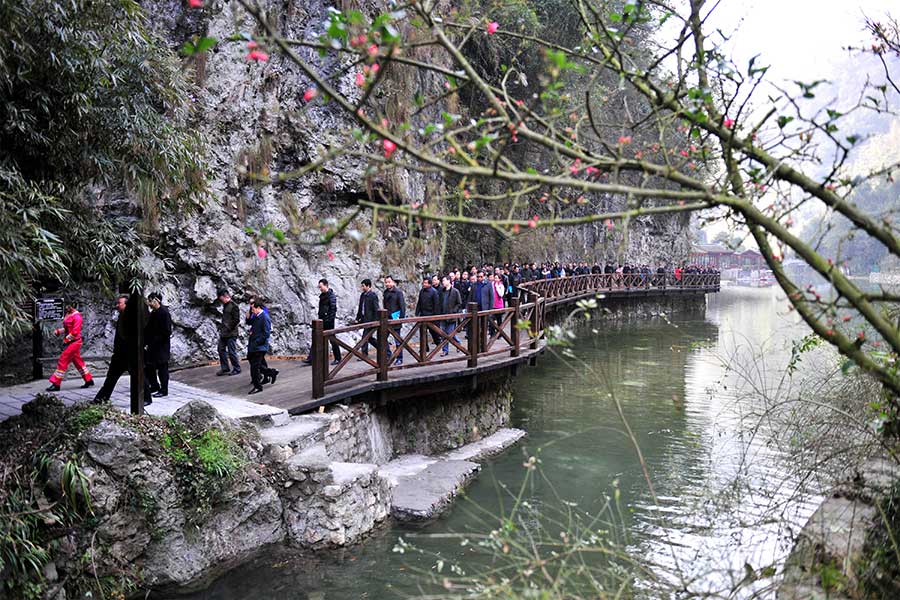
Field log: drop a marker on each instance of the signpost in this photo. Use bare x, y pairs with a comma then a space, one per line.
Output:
45, 308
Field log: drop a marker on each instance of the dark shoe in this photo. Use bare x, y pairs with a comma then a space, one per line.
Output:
235, 372
266, 379
87, 384
445, 353
148, 401
160, 394
274, 374
52, 388
398, 362
255, 390
222, 372
335, 362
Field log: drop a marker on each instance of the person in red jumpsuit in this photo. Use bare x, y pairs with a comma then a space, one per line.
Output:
72, 352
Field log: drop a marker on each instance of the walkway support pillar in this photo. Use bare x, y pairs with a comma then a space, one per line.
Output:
382, 345
474, 334
514, 327
319, 361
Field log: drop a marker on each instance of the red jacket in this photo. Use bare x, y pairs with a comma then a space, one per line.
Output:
71, 327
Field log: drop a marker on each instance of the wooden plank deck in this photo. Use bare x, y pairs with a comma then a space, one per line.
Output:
293, 388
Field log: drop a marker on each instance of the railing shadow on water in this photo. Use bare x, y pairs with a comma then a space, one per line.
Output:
487, 333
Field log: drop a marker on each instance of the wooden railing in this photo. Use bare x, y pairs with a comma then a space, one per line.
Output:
569, 288
422, 339
487, 332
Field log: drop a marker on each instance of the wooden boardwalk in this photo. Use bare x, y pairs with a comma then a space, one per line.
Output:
488, 342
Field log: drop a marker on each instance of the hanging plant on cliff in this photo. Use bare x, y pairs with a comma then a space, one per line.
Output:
90, 101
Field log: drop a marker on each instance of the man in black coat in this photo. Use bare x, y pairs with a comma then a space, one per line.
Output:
395, 304
157, 337
122, 360
428, 305
228, 333
451, 304
327, 314
366, 312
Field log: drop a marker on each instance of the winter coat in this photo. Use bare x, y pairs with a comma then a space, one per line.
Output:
328, 308
231, 318
260, 330
157, 336
428, 303
394, 302
367, 311
451, 301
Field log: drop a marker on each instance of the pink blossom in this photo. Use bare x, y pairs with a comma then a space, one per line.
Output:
516, 228
374, 68
625, 139
533, 221
728, 122
493, 27
330, 255
310, 93
252, 45
373, 50
609, 224
389, 147
360, 79
195, 3
258, 56
261, 252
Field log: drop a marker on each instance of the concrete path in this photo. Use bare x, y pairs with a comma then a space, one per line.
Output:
13, 397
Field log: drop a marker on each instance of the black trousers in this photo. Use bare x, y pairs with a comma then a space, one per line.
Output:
335, 348
158, 377
118, 366
228, 352
373, 341
258, 367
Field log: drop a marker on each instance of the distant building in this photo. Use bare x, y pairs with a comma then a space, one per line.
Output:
720, 257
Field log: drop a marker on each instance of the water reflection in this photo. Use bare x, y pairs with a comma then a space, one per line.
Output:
678, 384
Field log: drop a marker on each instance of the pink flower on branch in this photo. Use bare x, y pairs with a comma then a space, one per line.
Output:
360, 79
493, 27
261, 252
257, 55
624, 139
310, 93
389, 148
195, 3
728, 123
373, 50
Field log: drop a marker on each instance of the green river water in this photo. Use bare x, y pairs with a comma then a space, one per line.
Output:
678, 383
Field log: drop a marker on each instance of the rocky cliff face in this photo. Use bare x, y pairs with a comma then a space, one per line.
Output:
254, 117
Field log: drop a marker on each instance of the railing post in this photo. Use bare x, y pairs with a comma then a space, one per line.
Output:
423, 341
382, 348
535, 322
473, 334
514, 327
318, 352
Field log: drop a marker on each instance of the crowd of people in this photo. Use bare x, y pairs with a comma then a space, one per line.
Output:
488, 286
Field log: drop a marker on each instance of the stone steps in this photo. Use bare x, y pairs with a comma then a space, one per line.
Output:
424, 493
296, 434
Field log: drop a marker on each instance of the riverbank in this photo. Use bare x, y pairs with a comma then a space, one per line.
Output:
104, 502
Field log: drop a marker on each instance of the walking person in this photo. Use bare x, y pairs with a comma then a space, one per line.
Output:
366, 312
258, 345
121, 361
269, 375
157, 337
327, 314
72, 324
499, 287
395, 304
450, 303
428, 305
228, 333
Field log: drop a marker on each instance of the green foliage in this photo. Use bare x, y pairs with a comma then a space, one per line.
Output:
90, 99
203, 465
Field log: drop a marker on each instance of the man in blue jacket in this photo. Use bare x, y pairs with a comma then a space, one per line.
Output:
258, 345
367, 312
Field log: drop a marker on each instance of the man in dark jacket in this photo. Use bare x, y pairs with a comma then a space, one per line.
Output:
451, 304
258, 345
366, 312
228, 333
395, 305
327, 314
428, 305
122, 360
157, 337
